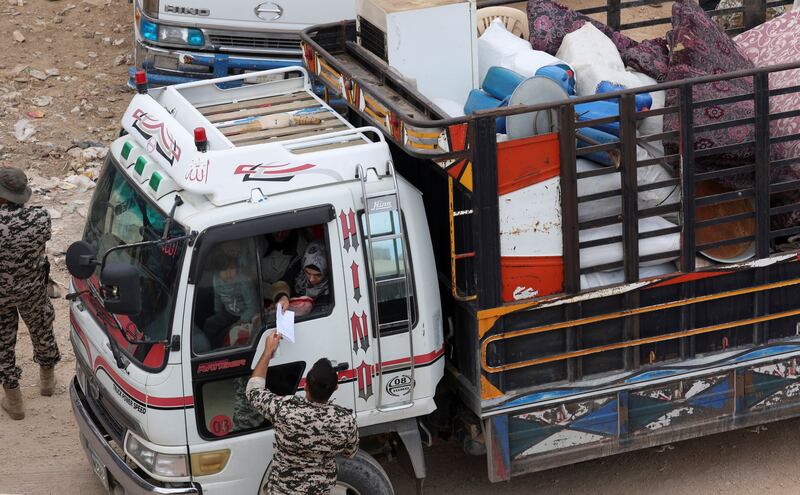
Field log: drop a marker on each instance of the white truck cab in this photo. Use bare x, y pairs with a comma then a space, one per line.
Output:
158, 393
178, 41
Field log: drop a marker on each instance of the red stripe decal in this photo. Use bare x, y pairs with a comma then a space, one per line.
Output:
689, 277
149, 400
81, 335
418, 360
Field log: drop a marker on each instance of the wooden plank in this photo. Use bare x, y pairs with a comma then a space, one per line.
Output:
331, 146
287, 131
243, 128
254, 103
257, 112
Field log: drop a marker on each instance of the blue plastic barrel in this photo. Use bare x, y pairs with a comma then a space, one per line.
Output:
597, 137
599, 110
644, 101
561, 74
501, 82
478, 100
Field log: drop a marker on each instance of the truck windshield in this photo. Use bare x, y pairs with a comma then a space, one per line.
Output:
119, 215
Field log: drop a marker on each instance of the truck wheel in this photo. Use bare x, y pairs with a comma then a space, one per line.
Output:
361, 475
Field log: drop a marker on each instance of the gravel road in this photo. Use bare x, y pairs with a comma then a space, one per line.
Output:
75, 54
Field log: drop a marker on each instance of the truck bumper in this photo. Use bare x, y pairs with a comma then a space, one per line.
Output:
110, 467
165, 67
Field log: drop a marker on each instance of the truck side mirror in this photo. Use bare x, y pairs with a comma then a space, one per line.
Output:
81, 260
119, 284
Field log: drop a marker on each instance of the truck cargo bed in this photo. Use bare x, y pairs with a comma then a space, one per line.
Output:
562, 370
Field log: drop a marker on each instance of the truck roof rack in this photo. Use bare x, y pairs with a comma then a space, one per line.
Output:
224, 142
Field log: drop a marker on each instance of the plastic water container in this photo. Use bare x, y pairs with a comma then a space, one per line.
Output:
588, 136
561, 74
501, 82
478, 100
644, 101
599, 110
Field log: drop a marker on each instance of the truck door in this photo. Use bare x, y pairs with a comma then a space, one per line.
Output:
233, 266
381, 314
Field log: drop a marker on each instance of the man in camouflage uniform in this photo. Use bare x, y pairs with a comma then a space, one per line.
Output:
24, 231
309, 433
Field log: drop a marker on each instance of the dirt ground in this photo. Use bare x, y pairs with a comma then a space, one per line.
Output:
67, 78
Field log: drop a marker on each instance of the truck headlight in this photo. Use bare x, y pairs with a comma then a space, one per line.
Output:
187, 36
154, 462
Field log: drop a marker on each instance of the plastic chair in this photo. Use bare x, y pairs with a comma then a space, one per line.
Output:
516, 21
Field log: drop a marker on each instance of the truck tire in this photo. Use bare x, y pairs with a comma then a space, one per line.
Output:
361, 475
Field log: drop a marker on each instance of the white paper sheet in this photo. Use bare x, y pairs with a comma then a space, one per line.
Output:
285, 324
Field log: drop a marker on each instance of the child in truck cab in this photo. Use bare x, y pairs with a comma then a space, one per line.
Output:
310, 287
235, 303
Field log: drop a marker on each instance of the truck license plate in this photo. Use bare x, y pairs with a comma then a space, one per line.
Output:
100, 470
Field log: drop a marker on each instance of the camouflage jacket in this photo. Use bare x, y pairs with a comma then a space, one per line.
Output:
308, 437
24, 231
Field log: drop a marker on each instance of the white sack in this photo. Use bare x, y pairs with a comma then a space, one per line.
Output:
610, 253
594, 59
613, 206
526, 63
497, 46
601, 279
651, 125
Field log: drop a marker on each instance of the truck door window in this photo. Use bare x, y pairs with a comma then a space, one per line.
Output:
228, 309
296, 264
388, 262
224, 409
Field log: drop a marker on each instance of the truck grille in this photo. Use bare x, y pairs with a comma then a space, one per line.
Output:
110, 424
254, 43
372, 38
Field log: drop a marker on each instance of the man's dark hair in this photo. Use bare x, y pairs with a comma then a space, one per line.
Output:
321, 381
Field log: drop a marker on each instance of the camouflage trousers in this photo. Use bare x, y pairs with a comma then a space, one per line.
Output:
38, 314
245, 416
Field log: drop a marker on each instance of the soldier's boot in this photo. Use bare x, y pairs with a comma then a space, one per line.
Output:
47, 381
12, 402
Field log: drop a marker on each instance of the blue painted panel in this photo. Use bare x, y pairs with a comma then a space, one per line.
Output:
715, 397
603, 420
524, 434
766, 351
644, 410
499, 448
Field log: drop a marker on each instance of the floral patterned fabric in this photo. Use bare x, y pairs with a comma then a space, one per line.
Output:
550, 22
772, 43
649, 57
699, 47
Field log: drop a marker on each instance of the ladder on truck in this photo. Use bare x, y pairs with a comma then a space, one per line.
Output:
392, 198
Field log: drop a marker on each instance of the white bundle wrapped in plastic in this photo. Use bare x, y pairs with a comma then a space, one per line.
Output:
606, 207
595, 59
611, 253
651, 125
498, 47
602, 279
